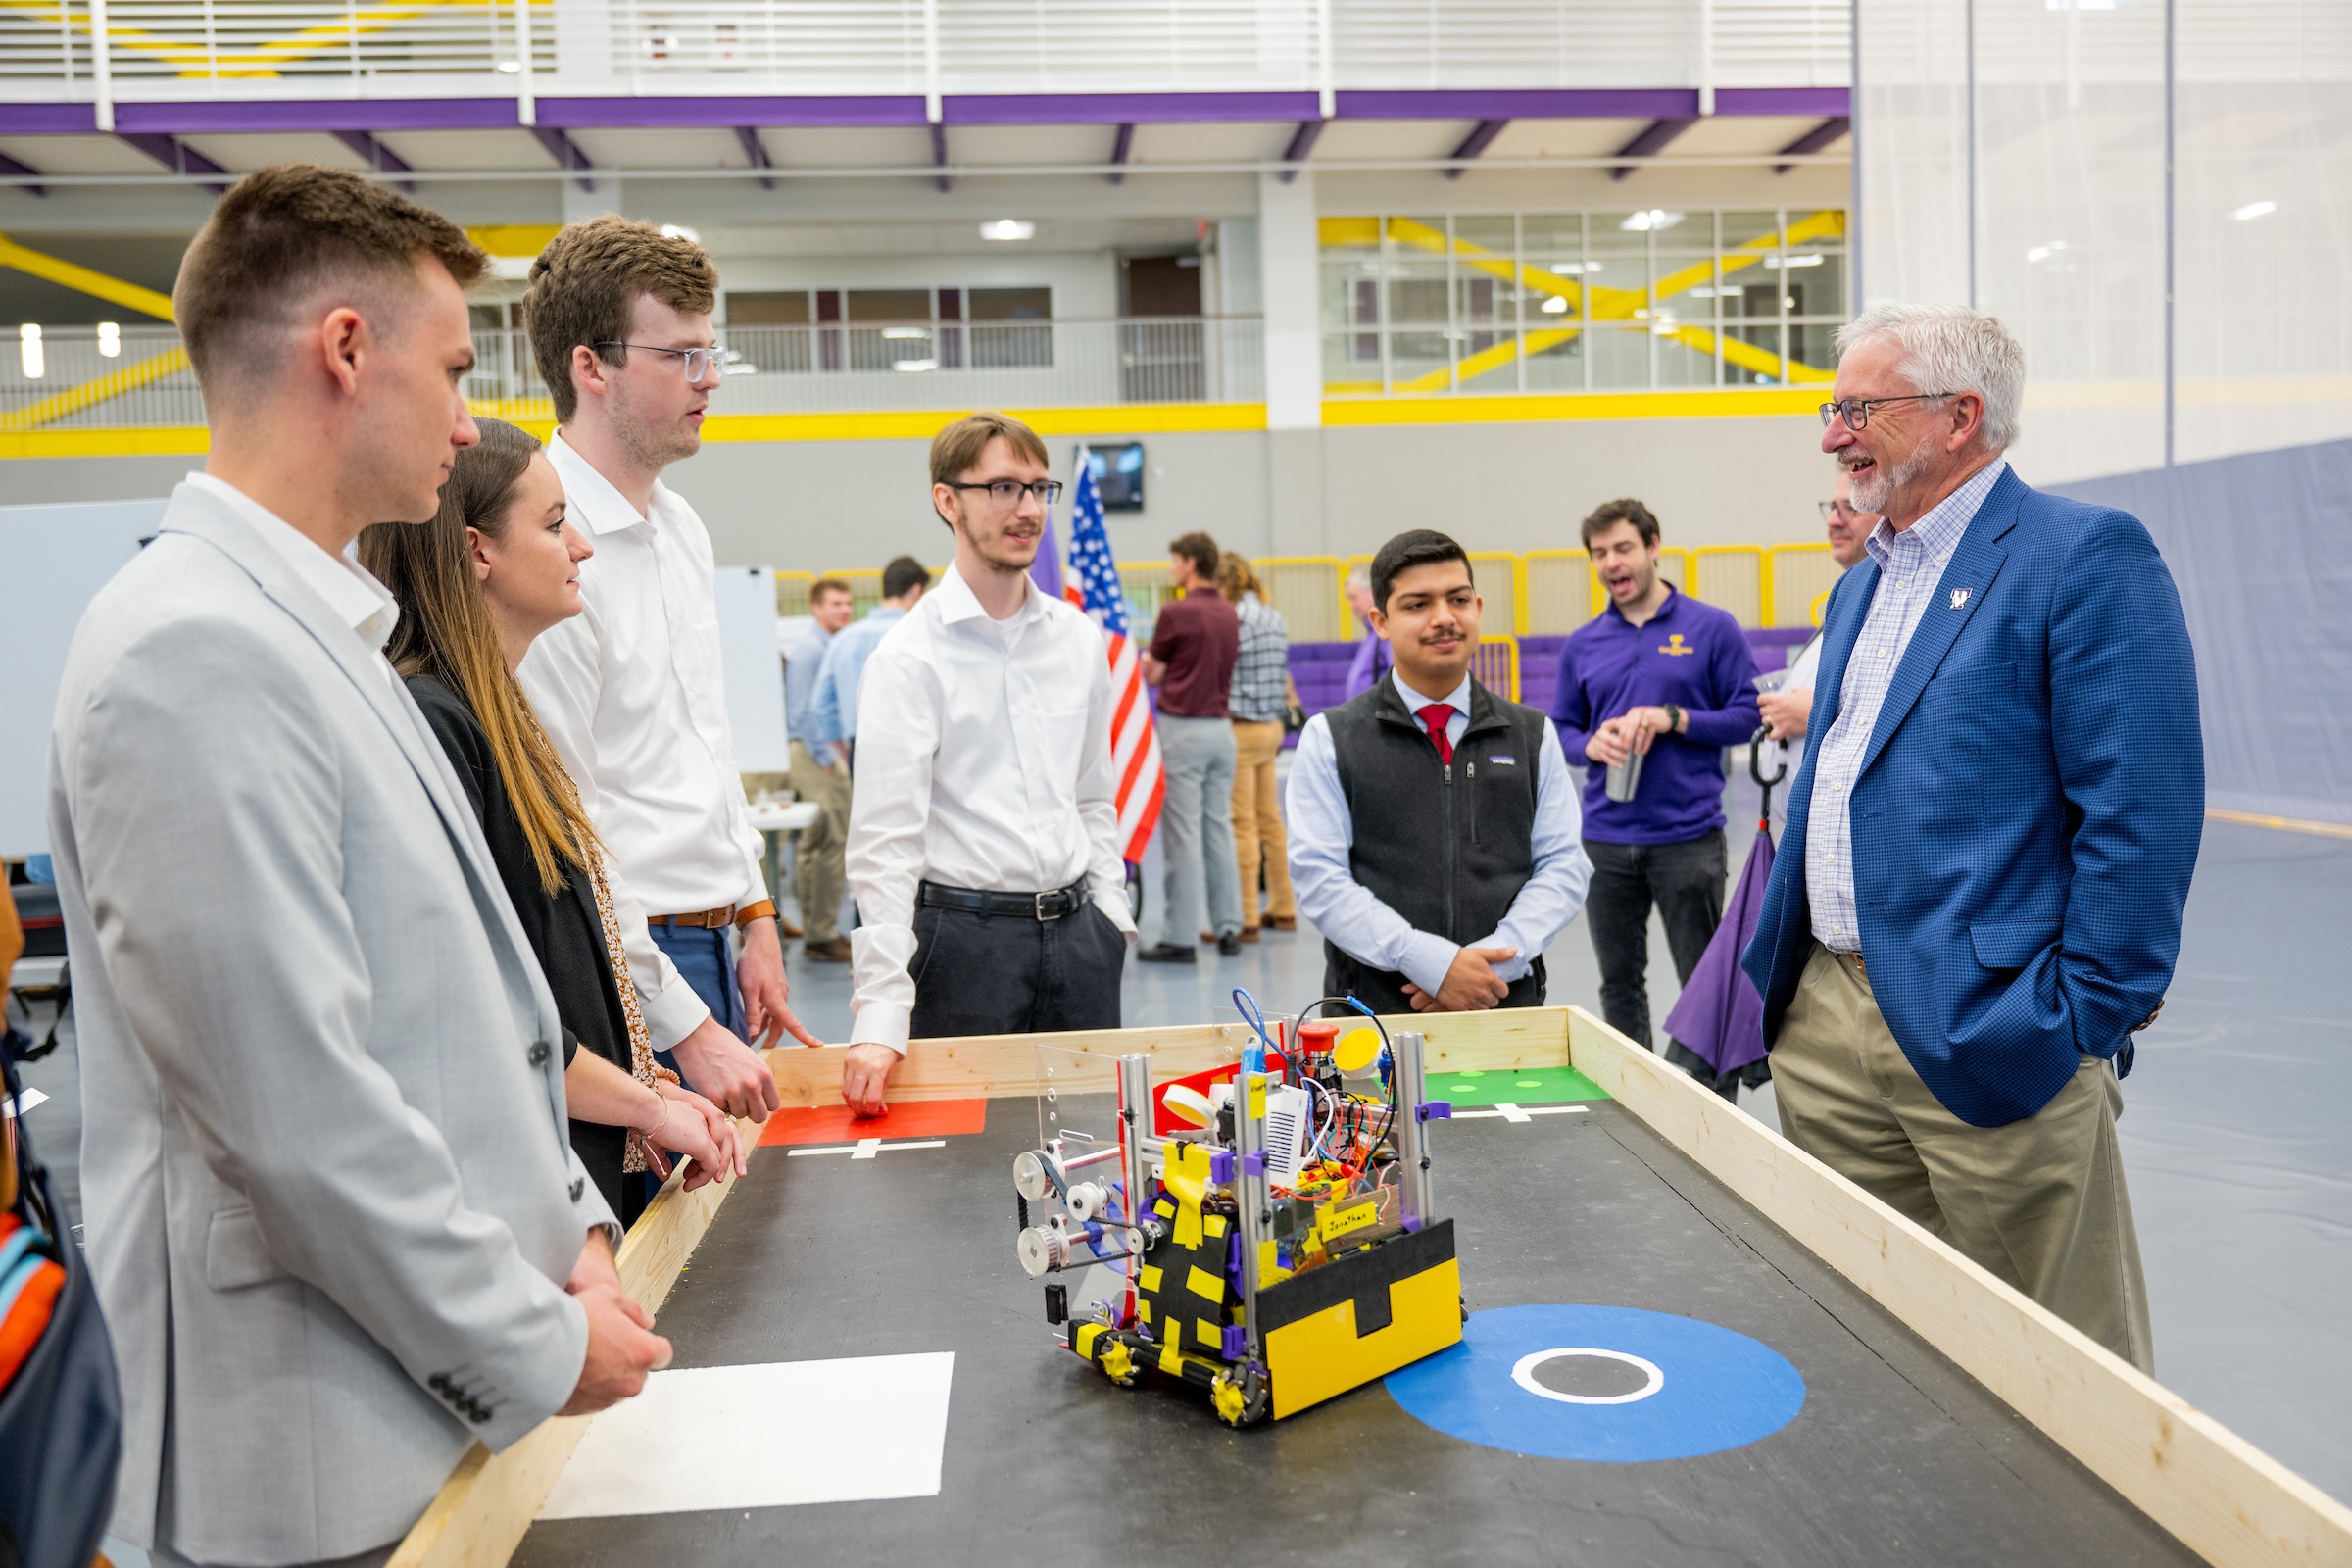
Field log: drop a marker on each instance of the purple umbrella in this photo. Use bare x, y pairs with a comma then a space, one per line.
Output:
1720, 1015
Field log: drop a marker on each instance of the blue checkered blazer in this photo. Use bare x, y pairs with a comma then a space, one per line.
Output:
2028, 812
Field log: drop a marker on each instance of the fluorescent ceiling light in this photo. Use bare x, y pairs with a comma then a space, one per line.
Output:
914, 366
110, 339
1557, 305
2043, 253
906, 332
680, 231
1009, 228
33, 359
1794, 261
2254, 209
1656, 218
509, 68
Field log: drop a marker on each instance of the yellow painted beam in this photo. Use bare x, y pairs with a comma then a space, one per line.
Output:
2286, 824
114, 383
128, 441
1703, 403
83, 280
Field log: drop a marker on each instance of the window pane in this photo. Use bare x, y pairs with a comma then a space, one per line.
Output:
1685, 360
789, 307
1620, 357
1012, 305
1417, 292
890, 305
1758, 368
1816, 282
1555, 363
1419, 361
1351, 363
1742, 228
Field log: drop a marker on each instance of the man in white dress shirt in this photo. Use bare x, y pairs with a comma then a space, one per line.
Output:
983, 838
1434, 836
631, 689
1787, 707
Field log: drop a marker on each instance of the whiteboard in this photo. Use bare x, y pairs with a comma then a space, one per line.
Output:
754, 673
53, 561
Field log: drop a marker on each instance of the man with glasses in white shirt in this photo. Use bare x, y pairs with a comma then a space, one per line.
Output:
631, 691
984, 850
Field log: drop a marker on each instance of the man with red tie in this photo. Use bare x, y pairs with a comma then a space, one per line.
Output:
1434, 836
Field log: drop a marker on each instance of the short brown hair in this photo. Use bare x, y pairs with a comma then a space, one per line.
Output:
585, 285
1609, 514
957, 448
1198, 549
283, 233
827, 585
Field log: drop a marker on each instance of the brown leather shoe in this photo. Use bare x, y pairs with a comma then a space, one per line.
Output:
1249, 933
787, 929
836, 951
1282, 922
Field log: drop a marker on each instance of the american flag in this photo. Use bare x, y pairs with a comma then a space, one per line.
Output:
1133, 742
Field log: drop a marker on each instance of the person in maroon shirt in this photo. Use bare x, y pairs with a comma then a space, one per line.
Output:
1194, 646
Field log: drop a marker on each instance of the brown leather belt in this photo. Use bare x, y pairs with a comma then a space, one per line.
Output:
708, 919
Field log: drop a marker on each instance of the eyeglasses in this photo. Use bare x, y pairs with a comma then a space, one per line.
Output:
1858, 410
1834, 508
698, 363
1009, 492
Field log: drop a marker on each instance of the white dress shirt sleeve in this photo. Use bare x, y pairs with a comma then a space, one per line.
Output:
562, 677
1098, 807
1342, 908
1555, 890
889, 819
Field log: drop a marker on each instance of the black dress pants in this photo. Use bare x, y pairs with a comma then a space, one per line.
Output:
1686, 881
994, 974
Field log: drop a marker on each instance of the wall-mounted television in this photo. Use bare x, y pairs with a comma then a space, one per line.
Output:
1119, 476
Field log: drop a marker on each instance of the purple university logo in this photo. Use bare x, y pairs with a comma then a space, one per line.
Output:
1959, 597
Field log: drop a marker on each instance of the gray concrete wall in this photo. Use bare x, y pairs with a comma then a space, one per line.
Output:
812, 505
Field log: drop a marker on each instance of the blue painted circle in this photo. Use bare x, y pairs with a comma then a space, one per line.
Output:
1715, 1390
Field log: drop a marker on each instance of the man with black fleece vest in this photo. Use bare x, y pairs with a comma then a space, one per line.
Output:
1434, 826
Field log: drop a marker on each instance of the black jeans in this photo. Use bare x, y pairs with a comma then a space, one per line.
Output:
1686, 881
994, 974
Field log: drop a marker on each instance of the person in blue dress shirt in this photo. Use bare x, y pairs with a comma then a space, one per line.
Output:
835, 709
1660, 676
818, 777
1433, 825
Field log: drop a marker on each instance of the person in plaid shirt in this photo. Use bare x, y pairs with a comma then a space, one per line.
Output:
1261, 690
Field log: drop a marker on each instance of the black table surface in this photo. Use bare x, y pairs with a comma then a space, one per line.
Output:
1896, 1456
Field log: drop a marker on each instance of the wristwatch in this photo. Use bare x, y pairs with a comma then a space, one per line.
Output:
1674, 718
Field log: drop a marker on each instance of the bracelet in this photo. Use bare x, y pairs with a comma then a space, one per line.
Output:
765, 909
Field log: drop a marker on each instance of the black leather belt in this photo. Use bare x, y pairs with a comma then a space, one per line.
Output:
1055, 906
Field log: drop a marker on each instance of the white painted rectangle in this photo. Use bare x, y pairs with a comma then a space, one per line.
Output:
854, 1429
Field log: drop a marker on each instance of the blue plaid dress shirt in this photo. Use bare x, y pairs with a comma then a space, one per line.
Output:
1257, 692
1910, 566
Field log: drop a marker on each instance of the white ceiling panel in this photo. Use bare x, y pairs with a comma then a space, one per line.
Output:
1014, 146
1564, 139
243, 153
829, 147
78, 155
463, 150
1216, 143
693, 147
1345, 139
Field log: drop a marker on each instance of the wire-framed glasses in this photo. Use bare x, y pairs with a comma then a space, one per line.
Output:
698, 363
1858, 410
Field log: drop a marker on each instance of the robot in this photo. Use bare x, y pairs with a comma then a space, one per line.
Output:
1271, 1229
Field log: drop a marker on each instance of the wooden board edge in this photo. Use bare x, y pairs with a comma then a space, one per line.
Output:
2225, 1499
1001, 1067
485, 1508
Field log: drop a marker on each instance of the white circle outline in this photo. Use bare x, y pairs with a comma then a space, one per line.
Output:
1523, 1374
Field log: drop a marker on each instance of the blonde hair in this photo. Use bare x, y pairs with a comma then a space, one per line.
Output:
445, 630
1235, 577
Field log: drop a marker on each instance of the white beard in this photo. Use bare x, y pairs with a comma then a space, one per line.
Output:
1875, 485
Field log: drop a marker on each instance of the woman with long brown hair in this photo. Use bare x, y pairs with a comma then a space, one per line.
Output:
495, 567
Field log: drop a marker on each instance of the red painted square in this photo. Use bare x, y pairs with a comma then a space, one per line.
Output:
914, 1118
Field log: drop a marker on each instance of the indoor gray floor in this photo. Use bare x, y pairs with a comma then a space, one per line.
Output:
2240, 1153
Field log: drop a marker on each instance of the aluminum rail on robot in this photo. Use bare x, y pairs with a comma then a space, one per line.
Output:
2222, 1497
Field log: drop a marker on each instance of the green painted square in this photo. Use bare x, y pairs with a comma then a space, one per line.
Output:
1517, 1086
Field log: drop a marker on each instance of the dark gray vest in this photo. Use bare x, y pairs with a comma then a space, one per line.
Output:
1446, 847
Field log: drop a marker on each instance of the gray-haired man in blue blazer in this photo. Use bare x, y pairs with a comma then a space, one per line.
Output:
335, 1219
1979, 896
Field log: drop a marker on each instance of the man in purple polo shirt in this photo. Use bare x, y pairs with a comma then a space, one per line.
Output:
1661, 677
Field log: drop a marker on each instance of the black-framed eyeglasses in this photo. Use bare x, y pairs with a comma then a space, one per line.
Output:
1858, 410
698, 363
1009, 492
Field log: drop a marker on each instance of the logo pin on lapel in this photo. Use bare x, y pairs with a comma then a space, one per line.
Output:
1959, 597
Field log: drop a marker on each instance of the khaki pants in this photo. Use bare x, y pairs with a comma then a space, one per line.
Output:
2039, 1202
818, 874
1257, 821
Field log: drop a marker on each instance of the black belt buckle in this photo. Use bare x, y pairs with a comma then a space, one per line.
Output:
1040, 906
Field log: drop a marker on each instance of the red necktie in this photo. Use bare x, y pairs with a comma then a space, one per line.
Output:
1434, 718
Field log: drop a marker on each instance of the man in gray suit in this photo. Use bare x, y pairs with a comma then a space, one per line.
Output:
332, 1214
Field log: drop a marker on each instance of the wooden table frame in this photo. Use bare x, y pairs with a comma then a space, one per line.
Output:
2223, 1497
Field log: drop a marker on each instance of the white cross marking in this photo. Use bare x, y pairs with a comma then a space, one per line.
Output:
867, 1148
1519, 1113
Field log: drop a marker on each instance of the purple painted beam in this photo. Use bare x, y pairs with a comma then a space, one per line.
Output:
749, 138
565, 151
1478, 141
231, 115
939, 154
1120, 147
1814, 141
1303, 144
1652, 139
654, 114
10, 165
376, 155
1120, 108
173, 154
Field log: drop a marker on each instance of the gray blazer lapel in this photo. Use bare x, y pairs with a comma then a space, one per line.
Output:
1966, 579
206, 517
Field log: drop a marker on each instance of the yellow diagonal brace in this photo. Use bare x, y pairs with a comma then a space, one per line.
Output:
82, 280
114, 383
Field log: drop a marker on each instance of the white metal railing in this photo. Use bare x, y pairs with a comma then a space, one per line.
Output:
866, 367
98, 50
